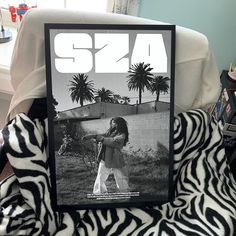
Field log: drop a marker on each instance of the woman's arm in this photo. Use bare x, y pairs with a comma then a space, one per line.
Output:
89, 136
93, 136
114, 142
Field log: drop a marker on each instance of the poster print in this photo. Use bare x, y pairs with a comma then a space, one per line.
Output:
110, 111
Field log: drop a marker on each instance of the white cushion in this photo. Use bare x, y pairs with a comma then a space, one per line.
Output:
197, 82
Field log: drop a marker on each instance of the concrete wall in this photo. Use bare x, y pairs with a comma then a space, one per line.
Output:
113, 110
86, 111
105, 110
100, 109
145, 130
150, 107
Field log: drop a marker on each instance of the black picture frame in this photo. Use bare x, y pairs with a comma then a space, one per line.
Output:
103, 60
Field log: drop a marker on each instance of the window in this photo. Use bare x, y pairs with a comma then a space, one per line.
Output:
84, 5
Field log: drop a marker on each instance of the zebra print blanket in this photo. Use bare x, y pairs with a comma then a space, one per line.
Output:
205, 191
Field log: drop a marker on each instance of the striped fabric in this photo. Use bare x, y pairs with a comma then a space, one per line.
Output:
204, 188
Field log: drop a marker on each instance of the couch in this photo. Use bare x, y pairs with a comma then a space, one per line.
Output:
204, 200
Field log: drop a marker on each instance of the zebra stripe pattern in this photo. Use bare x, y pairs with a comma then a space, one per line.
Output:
204, 189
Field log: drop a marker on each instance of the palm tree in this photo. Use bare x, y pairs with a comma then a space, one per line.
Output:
158, 85
81, 89
140, 77
126, 100
106, 95
116, 98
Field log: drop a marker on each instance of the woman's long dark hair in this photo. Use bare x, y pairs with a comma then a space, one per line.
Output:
122, 127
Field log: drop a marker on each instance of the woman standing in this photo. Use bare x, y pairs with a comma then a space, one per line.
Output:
110, 157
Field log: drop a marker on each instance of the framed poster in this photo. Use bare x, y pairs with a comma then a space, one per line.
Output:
110, 95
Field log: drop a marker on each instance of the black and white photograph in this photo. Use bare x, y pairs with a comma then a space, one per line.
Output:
110, 110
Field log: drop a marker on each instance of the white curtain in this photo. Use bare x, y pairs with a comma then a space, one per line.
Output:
127, 7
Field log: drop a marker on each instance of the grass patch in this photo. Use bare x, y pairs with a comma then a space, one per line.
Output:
76, 173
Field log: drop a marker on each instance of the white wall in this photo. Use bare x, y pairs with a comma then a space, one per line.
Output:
145, 130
